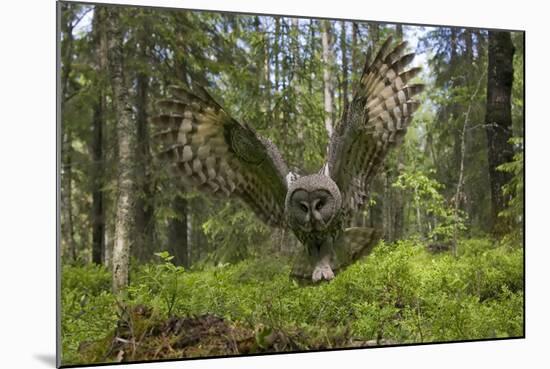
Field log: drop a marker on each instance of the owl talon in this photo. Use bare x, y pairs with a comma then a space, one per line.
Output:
322, 272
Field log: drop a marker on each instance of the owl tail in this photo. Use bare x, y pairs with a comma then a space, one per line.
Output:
354, 243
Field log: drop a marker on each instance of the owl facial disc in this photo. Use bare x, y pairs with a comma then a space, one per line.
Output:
312, 202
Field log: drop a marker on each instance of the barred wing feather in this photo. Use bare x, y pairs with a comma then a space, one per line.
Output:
215, 154
373, 123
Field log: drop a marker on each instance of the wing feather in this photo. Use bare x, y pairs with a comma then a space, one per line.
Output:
373, 122
198, 141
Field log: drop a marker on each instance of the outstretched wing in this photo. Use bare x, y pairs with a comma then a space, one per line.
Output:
215, 154
373, 122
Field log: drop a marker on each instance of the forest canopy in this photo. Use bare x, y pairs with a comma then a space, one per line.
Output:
136, 246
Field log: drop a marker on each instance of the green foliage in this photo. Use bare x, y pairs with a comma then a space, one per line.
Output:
88, 308
161, 280
471, 289
90, 278
518, 119
514, 190
236, 231
400, 294
428, 199
457, 75
391, 287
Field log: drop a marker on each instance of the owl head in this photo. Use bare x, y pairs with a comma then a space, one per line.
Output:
312, 202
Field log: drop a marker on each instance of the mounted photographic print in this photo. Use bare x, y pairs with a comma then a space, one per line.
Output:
242, 184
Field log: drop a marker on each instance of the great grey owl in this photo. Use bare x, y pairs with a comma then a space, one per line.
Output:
215, 154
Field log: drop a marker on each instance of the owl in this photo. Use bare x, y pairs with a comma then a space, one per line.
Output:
212, 152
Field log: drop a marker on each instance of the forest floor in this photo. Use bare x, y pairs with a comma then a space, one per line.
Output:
143, 337
401, 294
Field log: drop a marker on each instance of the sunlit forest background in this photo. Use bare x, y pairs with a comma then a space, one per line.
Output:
206, 277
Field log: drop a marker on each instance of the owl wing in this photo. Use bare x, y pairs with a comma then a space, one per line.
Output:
199, 142
373, 122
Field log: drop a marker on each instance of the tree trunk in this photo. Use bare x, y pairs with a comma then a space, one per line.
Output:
179, 242
454, 51
126, 132
108, 249
178, 233
144, 209
354, 57
285, 77
276, 46
260, 62
460, 183
266, 75
398, 214
98, 209
376, 216
397, 202
481, 43
399, 31
452, 115
326, 38
98, 199
498, 118
344, 50
469, 46
387, 209
295, 88
67, 148
67, 195
311, 44
374, 32
189, 241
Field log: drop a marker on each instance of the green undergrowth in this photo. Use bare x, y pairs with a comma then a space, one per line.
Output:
401, 293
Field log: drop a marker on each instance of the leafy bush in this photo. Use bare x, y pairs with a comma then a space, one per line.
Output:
88, 309
160, 280
90, 278
427, 191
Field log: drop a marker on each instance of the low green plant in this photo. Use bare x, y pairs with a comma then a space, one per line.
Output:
161, 280
400, 293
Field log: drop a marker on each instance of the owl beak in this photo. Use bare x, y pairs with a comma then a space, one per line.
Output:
318, 219
318, 222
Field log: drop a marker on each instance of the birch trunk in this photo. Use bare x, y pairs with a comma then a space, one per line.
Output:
344, 50
126, 132
328, 57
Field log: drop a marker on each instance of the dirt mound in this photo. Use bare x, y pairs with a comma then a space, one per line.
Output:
140, 335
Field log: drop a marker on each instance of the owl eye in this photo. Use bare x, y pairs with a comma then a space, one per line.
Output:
304, 208
319, 205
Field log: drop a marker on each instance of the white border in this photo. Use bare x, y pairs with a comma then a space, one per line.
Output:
28, 187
